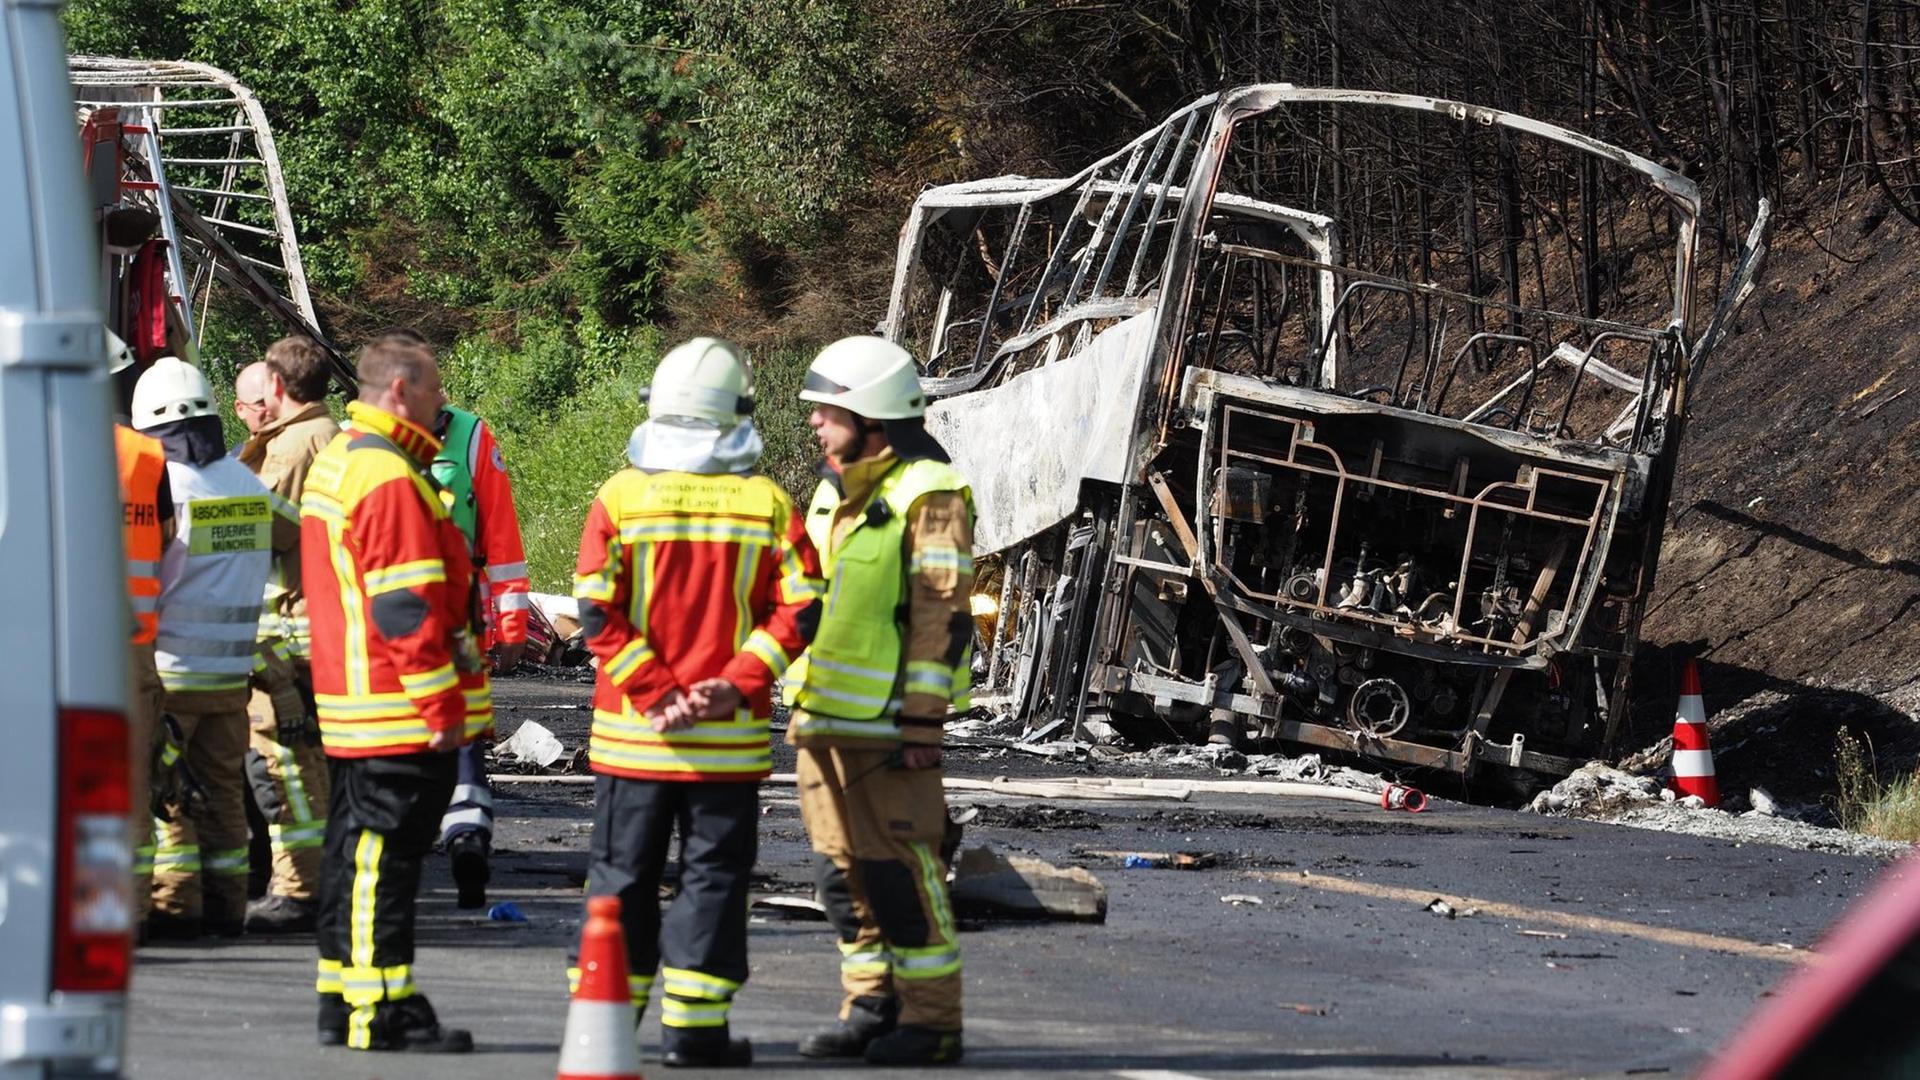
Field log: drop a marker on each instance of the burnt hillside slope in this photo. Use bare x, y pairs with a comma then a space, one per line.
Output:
1791, 566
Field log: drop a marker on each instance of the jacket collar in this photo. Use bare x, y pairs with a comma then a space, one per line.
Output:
314, 410
254, 450
412, 439
858, 479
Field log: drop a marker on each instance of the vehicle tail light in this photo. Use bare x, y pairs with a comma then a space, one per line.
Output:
93, 892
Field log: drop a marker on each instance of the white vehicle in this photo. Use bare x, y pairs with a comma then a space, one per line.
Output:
64, 857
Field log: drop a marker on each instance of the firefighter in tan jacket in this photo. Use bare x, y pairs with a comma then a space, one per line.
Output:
894, 522
281, 401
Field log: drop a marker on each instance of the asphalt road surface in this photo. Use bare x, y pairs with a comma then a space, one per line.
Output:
1575, 950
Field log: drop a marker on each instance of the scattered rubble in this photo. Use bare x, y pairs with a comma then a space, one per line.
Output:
986, 885
1600, 792
531, 744
792, 907
1241, 899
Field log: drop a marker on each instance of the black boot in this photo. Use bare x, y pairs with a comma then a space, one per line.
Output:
164, 926
332, 1024
913, 1045
868, 1018
470, 872
703, 1048
409, 1024
223, 921
277, 914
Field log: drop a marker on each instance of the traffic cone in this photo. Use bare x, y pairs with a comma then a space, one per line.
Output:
599, 1041
1692, 758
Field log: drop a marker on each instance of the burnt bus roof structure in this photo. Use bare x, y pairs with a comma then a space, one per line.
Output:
1326, 417
191, 144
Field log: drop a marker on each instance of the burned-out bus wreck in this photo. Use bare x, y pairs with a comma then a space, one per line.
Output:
1321, 417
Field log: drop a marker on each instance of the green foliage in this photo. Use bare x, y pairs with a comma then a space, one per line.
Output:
563, 404
520, 155
804, 106
559, 462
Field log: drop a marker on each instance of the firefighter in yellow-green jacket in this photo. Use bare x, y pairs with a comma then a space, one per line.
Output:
894, 521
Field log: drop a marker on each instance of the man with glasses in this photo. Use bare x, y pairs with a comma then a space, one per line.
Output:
281, 401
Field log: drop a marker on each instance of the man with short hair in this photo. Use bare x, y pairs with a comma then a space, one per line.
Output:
285, 766
399, 684
472, 473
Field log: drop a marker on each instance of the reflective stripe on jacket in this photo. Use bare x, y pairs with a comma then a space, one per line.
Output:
469, 467
681, 578
860, 671
212, 576
142, 464
387, 581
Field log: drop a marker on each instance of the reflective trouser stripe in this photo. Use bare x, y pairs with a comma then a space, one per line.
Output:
364, 985
680, 1013
176, 859
864, 960
143, 860
639, 987
366, 887
940, 958
472, 815
303, 836
227, 862
294, 784
697, 985
327, 979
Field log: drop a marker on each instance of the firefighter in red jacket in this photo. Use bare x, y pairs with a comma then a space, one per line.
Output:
399, 685
697, 587
472, 474
470, 468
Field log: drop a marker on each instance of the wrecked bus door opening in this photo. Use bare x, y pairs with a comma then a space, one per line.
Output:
1367, 450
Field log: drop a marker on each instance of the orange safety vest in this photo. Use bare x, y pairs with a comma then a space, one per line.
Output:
142, 464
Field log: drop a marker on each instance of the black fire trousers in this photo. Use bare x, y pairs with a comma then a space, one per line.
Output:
384, 816
700, 947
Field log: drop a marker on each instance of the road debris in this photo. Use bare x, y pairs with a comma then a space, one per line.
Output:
791, 907
532, 744
986, 884
1600, 792
1439, 906
1554, 934
506, 911
1241, 900
1158, 860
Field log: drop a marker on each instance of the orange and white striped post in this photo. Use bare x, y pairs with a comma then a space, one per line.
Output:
1692, 757
599, 1041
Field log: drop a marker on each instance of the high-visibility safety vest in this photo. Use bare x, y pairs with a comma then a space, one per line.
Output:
142, 464
454, 473
855, 672
212, 576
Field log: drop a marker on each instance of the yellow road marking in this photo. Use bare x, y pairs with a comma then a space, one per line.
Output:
1685, 939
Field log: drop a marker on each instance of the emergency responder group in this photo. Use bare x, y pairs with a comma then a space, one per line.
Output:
313, 616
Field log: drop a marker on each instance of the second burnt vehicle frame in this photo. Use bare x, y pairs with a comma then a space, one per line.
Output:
1324, 417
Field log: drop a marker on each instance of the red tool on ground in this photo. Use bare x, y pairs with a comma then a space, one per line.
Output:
1692, 758
599, 1043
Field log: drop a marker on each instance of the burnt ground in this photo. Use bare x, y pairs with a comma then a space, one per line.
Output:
1789, 567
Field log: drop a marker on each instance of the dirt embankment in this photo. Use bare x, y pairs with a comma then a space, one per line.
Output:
1790, 567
